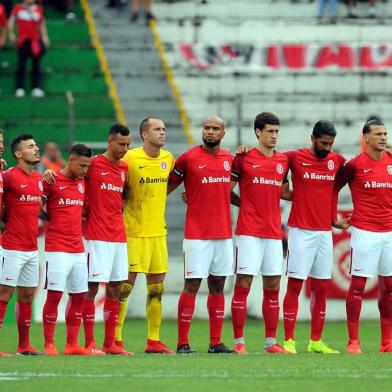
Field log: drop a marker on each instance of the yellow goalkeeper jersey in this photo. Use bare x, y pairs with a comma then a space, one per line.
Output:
144, 213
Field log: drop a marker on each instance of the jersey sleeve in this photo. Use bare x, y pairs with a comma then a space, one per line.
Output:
236, 168
7, 180
46, 190
290, 157
179, 170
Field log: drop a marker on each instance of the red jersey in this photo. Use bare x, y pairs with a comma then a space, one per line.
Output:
207, 184
22, 204
29, 21
3, 16
313, 182
64, 205
1, 196
104, 186
370, 183
260, 179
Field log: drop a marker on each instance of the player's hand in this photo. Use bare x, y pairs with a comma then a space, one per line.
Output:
241, 150
49, 176
46, 42
3, 163
184, 197
342, 224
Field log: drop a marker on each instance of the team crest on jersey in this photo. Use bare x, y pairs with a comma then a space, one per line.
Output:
389, 169
41, 188
279, 168
81, 188
163, 166
331, 164
226, 165
122, 176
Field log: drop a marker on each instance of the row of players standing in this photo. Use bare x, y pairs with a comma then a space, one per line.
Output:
209, 174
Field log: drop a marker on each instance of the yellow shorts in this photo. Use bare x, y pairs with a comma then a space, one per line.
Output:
147, 255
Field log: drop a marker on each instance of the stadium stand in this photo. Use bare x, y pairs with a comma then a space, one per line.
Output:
70, 64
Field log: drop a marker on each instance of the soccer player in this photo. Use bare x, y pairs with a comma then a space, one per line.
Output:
369, 176
22, 203
66, 265
208, 248
144, 217
261, 174
310, 249
105, 236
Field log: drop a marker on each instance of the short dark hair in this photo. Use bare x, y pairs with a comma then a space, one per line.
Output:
324, 127
262, 119
16, 142
119, 129
144, 125
80, 150
375, 121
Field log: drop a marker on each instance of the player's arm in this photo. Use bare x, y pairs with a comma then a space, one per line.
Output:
236, 171
344, 175
11, 28
177, 175
285, 192
44, 34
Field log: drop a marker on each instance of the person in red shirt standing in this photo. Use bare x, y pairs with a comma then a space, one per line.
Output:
66, 265
106, 242
310, 248
261, 174
208, 248
369, 176
22, 204
32, 41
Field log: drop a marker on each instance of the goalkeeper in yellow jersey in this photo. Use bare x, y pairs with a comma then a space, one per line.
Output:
149, 167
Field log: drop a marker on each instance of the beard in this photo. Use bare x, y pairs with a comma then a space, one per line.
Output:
210, 143
322, 153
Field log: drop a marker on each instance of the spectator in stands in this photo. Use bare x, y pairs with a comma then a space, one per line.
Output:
332, 11
32, 41
51, 159
116, 3
66, 6
353, 12
135, 9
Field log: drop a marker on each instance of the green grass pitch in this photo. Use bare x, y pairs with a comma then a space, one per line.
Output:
302, 372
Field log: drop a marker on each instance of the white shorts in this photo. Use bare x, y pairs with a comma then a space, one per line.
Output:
66, 271
20, 268
208, 257
107, 261
310, 253
258, 256
371, 253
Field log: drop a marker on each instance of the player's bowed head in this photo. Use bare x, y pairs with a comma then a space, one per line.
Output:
79, 160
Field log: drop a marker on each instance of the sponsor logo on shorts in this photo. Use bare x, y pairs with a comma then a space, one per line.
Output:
96, 274
53, 283
132, 265
189, 272
8, 279
375, 184
322, 177
358, 269
211, 180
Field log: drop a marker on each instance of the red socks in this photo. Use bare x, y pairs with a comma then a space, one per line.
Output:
23, 319
186, 307
3, 308
110, 316
88, 310
238, 310
49, 314
216, 312
385, 307
270, 309
318, 301
353, 305
290, 306
73, 316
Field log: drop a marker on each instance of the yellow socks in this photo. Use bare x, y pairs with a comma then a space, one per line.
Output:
154, 309
126, 290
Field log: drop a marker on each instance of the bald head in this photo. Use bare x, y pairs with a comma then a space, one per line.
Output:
213, 131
